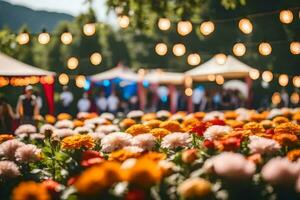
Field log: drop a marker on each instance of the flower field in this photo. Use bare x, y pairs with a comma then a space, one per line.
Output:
240, 154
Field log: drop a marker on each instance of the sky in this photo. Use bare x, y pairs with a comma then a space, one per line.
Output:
72, 7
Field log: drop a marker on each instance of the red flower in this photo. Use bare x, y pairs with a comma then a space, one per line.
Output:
217, 121
209, 144
52, 186
72, 180
90, 157
200, 128
270, 131
135, 194
231, 143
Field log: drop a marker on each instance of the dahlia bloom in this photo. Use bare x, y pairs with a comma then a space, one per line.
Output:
231, 165
115, 141
9, 169
28, 153
216, 131
145, 141
174, 140
9, 147
263, 145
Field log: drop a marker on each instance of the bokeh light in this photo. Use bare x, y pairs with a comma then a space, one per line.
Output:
264, 48
164, 24
207, 28
194, 59
96, 58
239, 49
161, 49
179, 49
184, 28
63, 79
267, 76
66, 38
245, 26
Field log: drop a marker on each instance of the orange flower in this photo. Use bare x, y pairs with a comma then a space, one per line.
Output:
138, 129
173, 126
63, 116
144, 174
199, 115
5, 137
122, 155
280, 120
267, 124
254, 127
30, 190
127, 122
154, 156
78, 123
285, 138
148, 117
50, 119
153, 123
296, 117
293, 155
98, 178
234, 123
77, 142
257, 117
288, 127
188, 124
159, 132
230, 115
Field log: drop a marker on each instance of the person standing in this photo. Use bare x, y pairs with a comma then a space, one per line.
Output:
101, 102
66, 98
6, 116
113, 103
27, 107
84, 104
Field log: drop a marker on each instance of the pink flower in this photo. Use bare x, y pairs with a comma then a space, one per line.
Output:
263, 145
231, 165
174, 140
9, 147
216, 131
47, 127
145, 141
115, 141
25, 129
9, 169
28, 153
61, 133
62, 124
107, 129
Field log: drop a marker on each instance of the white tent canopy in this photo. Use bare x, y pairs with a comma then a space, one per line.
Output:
232, 68
12, 67
162, 77
116, 72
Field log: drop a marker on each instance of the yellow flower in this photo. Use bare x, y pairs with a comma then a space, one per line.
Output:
148, 117
78, 123
296, 117
199, 115
63, 116
258, 116
288, 127
122, 155
293, 155
195, 188
230, 115
145, 173
5, 137
77, 142
127, 122
280, 120
285, 138
254, 127
50, 119
98, 178
266, 124
154, 156
188, 124
159, 132
30, 191
138, 129
173, 126
234, 123
153, 123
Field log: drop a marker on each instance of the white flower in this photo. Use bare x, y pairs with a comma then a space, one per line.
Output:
274, 113
37, 136
231, 165
90, 126
9, 147
25, 129
115, 141
97, 136
213, 115
163, 114
243, 114
61, 133
263, 145
9, 169
135, 114
82, 115
108, 116
28, 153
108, 128
95, 121
133, 149
145, 141
64, 124
82, 130
46, 127
174, 140
216, 131
280, 171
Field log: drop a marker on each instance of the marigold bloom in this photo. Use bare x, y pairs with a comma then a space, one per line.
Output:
98, 178
126, 123
254, 127
280, 120
285, 139
5, 137
159, 132
188, 124
78, 123
122, 155
173, 126
63, 116
293, 155
194, 188
50, 119
77, 142
153, 123
230, 115
234, 123
30, 190
148, 117
138, 129
199, 115
288, 127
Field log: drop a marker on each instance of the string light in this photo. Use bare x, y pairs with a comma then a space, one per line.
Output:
44, 37
286, 16
295, 98
245, 26
264, 48
207, 28
80, 81
96, 58
296, 81
276, 98
123, 21
184, 27
89, 29
188, 92
66, 38
219, 79
221, 58
45, 80
23, 38
179, 49
63, 79
295, 48
267, 76
254, 74
161, 49
194, 59
283, 80
72, 63
211, 77
239, 49
3, 81
164, 24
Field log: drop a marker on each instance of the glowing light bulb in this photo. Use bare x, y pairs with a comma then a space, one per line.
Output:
239, 49
219, 79
194, 59
211, 77
264, 48
207, 27
63, 79
96, 58
295, 98
296, 81
179, 49
267, 76
276, 98
286, 16
23, 38
184, 28
254, 74
161, 49
164, 24
283, 80
80, 81
188, 92
89, 29
221, 58
245, 26
66, 38
72, 63
44, 38
295, 48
